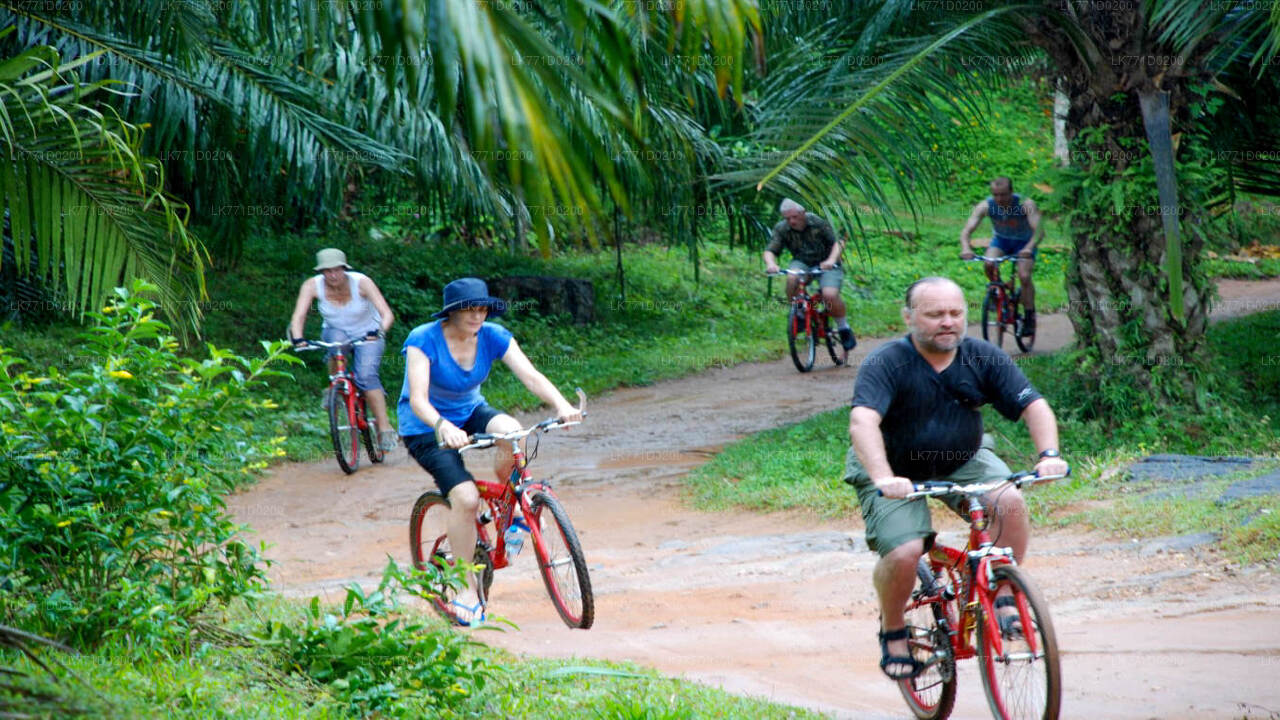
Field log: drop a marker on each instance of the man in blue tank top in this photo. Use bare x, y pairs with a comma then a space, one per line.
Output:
1015, 222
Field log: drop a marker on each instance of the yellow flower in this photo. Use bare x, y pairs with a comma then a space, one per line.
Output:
122, 374
108, 310
64, 523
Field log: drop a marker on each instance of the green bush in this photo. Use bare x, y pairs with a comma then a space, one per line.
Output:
374, 658
111, 477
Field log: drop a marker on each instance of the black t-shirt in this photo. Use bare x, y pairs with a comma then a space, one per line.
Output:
930, 420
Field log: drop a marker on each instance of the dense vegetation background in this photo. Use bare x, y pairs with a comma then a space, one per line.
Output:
169, 170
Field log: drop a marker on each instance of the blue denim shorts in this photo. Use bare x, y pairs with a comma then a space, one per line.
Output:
364, 368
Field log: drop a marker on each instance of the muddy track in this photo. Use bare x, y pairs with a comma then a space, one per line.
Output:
781, 605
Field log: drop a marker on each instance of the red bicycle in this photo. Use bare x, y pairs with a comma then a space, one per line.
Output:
1002, 307
960, 592
348, 422
807, 320
555, 543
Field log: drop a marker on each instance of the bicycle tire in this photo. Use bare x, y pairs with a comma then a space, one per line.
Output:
1022, 688
835, 348
931, 695
372, 444
1019, 319
799, 336
991, 309
560, 561
429, 545
346, 446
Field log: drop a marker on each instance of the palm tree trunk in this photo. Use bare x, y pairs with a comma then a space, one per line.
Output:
1117, 278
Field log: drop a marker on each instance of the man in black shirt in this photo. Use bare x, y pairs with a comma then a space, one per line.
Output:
915, 417
811, 242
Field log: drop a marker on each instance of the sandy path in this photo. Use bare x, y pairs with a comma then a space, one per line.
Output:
781, 605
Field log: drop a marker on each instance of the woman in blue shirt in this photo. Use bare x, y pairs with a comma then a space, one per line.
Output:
446, 361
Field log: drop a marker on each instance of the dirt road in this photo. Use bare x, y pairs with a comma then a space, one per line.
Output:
781, 606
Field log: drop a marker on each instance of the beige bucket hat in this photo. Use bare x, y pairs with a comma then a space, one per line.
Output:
331, 258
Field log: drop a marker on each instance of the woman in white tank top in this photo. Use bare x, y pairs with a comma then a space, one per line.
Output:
353, 309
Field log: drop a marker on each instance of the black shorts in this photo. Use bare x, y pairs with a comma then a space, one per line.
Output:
445, 464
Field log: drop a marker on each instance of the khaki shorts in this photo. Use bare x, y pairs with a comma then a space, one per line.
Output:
828, 278
892, 522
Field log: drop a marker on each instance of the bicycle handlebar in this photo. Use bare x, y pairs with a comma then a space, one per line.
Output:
985, 259
815, 270
322, 345
483, 440
935, 488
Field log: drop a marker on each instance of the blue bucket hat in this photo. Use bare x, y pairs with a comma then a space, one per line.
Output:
469, 292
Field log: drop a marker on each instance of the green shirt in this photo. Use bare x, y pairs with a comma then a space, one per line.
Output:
810, 246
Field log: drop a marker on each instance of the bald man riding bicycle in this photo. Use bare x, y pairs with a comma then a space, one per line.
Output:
811, 242
916, 417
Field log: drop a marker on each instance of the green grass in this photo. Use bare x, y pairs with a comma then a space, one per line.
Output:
218, 678
799, 467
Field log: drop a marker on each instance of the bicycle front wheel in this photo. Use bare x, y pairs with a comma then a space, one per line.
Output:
560, 560
343, 430
992, 327
372, 444
1022, 682
804, 347
430, 551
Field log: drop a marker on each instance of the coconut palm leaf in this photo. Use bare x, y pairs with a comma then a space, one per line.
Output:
83, 203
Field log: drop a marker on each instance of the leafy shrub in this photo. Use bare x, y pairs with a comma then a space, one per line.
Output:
373, 658
111, 474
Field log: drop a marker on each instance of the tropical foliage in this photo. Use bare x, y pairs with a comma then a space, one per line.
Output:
112, 477
84, 208
506, 118
1139, 77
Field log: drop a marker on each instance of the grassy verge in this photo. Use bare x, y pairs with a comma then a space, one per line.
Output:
219, 677
800, 466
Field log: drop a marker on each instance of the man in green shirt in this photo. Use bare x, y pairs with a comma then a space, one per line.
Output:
811, 242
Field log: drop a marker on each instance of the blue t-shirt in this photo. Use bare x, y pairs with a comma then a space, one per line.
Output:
454, 392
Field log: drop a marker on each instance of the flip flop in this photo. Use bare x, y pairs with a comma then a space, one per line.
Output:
476, 619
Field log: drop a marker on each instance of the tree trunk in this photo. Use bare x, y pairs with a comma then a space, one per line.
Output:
1117, 280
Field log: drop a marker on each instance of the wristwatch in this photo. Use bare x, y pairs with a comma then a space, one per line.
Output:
1050, 453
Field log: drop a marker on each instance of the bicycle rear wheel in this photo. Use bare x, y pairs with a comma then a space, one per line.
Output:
1019, 321
343, 430
560, 560
835, 347
804, 347
430, 550
1022, 684
992, 327
372, 444
931, 695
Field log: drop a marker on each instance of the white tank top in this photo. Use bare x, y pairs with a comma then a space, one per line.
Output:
355, 318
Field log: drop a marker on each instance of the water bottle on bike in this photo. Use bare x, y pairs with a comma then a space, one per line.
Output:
514, 537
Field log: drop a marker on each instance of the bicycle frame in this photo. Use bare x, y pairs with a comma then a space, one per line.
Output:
501, 497
972, 570
1004, 290
341, 379
344, 381
977, 560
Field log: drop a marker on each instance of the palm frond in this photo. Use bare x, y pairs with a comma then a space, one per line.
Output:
83, 203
